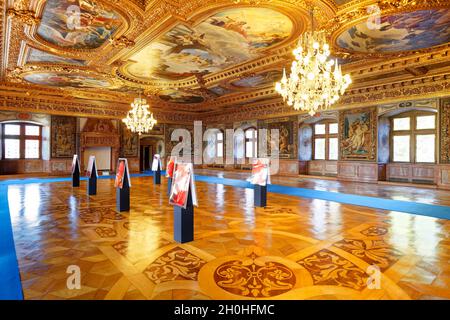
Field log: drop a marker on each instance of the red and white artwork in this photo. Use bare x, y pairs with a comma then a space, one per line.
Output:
90, 167
260, 172
156, 162
170, 167
183, 179
120, 176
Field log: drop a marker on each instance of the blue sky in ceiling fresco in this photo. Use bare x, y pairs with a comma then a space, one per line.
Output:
400, 32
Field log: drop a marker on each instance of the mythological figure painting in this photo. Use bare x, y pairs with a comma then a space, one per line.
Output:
358, 134
129, 142
399, 32
221, 41
63, 132
286, 137
78, 24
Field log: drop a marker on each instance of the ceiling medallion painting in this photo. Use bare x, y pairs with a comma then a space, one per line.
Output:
259, 80
78, 24
399, 32
68, 80
180, 96
221, 41
38, 56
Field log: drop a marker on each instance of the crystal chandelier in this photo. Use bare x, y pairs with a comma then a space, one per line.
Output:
316, 82
139, 119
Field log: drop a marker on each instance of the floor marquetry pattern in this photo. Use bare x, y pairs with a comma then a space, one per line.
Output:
294, 249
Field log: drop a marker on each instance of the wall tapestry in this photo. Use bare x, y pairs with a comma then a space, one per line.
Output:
287, 136
129, 142
63, 130
358, 130
445, 131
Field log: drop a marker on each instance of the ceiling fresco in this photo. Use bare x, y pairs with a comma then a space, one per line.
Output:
211, 57
66, 80
180, 96
221, 41
38, 56
259, 80
400, 32
78, 24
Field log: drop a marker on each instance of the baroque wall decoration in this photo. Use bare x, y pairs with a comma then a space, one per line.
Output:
445, 131
63, 139
358, 134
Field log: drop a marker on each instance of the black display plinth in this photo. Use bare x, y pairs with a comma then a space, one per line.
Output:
76, 177
183, 222
123, 194
169, 186
92, 182
260, 195
157, 176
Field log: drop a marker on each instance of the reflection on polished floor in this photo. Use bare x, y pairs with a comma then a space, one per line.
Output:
294, 249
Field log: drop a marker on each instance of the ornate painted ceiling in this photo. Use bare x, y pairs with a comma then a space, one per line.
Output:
211, 59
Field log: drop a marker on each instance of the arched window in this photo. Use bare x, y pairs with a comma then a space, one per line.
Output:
21, 141
219, 144
251, 143
326, 141
413, 137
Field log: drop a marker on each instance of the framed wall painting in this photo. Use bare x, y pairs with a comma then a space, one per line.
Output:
358, 134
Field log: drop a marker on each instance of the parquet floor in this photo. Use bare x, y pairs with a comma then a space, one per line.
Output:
294, 249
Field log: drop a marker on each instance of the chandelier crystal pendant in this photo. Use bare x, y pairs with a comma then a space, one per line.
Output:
316, 81
139, 119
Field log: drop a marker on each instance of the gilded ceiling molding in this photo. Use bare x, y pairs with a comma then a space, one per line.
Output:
21, 11
425, 88
363, 69
13, 101
122, 42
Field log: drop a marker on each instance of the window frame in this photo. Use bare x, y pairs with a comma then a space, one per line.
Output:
254, 140
327, 136
22, 137
413, 132
217, 142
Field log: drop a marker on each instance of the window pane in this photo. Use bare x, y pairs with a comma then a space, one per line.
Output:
426, 122
425, 151
220, 150
401, 148
12, 148
249, 134
334, 128
32, 130
219, 136
31, 149
319, 129
402, 124
333, 152
319, 149
248, 149
12, 129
